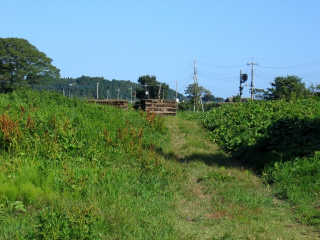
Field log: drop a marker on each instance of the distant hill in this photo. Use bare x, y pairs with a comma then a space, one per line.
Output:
85, 87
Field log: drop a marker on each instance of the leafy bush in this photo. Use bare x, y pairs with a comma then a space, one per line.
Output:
281, 136
241, 126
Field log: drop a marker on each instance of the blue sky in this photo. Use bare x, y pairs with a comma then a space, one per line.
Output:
125, 39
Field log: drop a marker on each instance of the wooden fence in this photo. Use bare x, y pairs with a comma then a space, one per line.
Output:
159, 106
112, 102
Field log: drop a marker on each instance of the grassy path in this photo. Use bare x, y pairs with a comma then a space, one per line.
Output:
220, 200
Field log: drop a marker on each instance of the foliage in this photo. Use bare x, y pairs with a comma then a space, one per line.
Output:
185, 106
151, 88
81, 171
260, 94
195, 91
22, 64
239, 126
288, 88
86, 87
281, 136
315, 89
190, 115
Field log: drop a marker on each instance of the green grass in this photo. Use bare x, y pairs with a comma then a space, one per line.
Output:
298, 183
221, 199
70, 170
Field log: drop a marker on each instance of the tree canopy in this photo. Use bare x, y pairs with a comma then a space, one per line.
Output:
151, 88
86, 87
22, 64
194, 90
288, 88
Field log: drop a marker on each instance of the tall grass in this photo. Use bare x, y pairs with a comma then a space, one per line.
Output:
70, 170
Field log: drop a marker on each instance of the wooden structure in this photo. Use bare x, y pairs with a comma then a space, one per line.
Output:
112, 102
159, 106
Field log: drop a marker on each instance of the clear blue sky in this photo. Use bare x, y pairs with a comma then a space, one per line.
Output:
125, 39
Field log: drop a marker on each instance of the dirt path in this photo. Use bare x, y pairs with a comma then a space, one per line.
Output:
218, 199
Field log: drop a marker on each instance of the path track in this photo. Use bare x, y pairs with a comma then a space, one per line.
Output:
219, 199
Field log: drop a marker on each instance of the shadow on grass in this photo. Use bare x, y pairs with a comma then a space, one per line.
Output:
210, 159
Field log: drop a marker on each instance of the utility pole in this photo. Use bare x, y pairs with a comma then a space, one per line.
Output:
176, 90
195, 82
118, 94
97, 90
63, 92
240, 88
159, 92
70, 85
108, 92
131, 94
252, 64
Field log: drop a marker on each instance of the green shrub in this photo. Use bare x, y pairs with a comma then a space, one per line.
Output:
283, 138
240, 127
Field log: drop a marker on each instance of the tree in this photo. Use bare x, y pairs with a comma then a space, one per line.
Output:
315, 89
151, 88
260, 94
192, 90
288, 88
195, 94
207, 96
22, 64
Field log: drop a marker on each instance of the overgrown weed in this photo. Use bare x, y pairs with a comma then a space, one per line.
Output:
81, 171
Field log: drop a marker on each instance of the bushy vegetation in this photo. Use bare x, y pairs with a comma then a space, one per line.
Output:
280, 136
239, 126
70, 170
298, 181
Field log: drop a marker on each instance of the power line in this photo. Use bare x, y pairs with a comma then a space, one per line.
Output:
293, 66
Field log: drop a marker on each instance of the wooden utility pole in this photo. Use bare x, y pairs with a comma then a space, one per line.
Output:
97, 90
240, 88
176, 90
108, 93
195, 82
252, 64
159, 92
